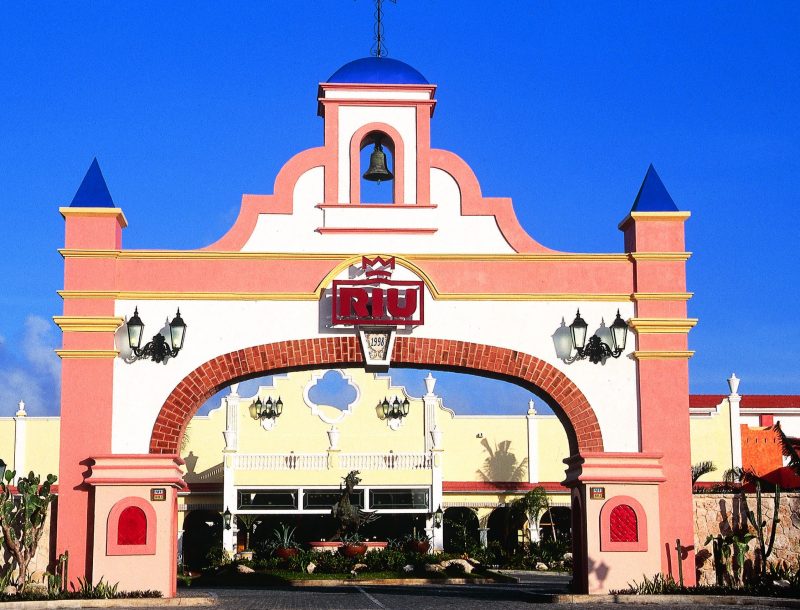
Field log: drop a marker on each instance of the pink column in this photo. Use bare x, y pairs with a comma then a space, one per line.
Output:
87, 354
656, 243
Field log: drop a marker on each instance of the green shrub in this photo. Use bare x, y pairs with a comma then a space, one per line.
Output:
217, 557
332, 563
665, 585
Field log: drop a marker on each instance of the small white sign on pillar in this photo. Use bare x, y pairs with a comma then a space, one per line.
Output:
377, 344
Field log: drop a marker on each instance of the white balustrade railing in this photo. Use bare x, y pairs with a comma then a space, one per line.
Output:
281, 461
385, 461
215, 472
319, 461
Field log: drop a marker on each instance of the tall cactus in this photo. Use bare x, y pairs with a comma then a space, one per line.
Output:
760, 524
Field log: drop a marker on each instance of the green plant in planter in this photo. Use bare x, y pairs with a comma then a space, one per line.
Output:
248, 523
418, 541
354, 538
283, 542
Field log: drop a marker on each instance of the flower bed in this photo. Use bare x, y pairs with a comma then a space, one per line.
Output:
333, 546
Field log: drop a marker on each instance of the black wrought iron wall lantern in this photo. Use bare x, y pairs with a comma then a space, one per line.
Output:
438, 517
395, 409
266, 412
159, 349
227, 517
393, 412
267, 409
595, 349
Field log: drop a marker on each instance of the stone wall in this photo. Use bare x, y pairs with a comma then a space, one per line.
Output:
727, 514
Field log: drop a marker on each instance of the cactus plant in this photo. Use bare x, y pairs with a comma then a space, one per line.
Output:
759, 525
23, 517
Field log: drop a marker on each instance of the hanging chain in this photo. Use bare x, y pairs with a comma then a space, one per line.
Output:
378, 48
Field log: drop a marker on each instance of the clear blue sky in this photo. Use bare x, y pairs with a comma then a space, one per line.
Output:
560, 106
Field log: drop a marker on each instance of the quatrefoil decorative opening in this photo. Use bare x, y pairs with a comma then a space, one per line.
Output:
331, 395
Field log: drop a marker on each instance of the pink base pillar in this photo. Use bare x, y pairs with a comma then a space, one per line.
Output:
601, 482
148, 486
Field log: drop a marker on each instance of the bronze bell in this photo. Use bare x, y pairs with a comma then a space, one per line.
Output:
377, 165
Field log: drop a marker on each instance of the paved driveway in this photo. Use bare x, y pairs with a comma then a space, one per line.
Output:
434, 597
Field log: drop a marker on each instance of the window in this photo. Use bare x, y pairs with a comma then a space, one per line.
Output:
373, 191
132, 528
399, 498
362, 145
623, 525
272, 499
326, 498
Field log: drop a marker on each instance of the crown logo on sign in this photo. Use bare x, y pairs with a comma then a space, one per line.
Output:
378, 267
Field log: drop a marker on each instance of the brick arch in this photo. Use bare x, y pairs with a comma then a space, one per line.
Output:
561, 393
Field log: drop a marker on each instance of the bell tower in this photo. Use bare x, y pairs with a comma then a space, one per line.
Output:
384, 102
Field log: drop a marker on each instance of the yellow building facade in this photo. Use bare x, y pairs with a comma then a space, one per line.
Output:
288, 468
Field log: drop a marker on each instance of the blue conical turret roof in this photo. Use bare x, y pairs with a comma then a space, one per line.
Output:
653, 195
93, 192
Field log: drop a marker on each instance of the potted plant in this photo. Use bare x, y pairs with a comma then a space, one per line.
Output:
248, 523
352, 546
418, 542
284, 543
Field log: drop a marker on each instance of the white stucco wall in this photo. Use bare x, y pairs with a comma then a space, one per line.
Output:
216, 328
454, 233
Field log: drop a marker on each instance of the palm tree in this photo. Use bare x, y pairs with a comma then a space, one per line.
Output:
248, 522
701, 468
533, 504
788, 449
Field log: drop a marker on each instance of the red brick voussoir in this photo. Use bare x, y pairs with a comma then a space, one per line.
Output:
207, 379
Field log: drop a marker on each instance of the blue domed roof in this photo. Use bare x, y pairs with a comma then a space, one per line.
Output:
378, 70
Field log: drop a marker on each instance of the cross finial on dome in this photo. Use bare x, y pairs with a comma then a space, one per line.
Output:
378, 48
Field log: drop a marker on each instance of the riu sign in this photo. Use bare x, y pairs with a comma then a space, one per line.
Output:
378, 300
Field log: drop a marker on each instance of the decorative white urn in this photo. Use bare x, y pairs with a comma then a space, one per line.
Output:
436, 436
333, 437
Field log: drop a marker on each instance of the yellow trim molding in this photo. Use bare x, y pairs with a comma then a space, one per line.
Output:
660, 256
662, 296
662, 325
663, 355
649, 216
223, 255
313, 296
660, 215
117, 212
187, 296
87, 353
550, 296
88, 324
